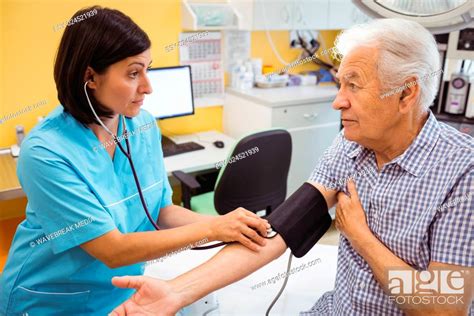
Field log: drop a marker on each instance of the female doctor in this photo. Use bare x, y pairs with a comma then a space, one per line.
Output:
84, 220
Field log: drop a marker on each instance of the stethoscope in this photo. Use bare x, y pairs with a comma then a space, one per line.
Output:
128, 154
270, 232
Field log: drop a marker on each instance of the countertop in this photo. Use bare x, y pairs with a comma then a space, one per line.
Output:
278, 97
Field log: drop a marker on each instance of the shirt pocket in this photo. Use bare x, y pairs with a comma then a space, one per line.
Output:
152, 194
30, 302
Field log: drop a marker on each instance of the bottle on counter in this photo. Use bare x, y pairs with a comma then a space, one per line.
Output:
257, 65
248, 77
234, 75
20, 134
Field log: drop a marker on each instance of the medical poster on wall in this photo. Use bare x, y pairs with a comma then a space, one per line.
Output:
236, 47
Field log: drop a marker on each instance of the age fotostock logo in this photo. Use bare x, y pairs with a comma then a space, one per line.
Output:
419, 288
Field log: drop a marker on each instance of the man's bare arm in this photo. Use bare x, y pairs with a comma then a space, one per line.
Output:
228, 266
329, 195
234, 262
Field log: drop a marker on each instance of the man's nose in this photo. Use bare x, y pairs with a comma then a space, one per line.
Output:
341, 101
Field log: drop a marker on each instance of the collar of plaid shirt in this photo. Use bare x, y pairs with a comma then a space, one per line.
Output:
413, 159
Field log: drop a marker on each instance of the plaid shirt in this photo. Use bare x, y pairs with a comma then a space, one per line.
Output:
419, 205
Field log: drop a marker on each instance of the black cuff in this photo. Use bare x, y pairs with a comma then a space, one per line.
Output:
302, 219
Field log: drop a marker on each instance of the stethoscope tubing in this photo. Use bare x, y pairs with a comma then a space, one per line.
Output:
128, 154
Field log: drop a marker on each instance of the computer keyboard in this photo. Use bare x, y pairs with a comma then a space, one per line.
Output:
170, 148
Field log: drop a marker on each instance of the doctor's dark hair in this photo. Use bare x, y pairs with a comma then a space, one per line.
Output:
97, 40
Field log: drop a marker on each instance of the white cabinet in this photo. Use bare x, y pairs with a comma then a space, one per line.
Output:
298, 14
309, 144
272, 14
206, 15
289, 14
343, 14
305, 112
310, 14
312, 127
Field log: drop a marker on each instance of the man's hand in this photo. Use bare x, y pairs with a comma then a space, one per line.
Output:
350, 216
153, 297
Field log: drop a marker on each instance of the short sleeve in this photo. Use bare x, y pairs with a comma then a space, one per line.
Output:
63, 204
330, 166
452, 231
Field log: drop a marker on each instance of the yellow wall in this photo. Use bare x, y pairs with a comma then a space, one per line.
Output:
29, 44
28, 47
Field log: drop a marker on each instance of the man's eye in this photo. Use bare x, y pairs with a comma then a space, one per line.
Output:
352, 86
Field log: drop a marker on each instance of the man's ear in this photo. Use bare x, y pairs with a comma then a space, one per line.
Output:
410, 94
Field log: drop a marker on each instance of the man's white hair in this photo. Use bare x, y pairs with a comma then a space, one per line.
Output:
406, 49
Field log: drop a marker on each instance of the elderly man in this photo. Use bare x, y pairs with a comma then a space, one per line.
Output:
397, 214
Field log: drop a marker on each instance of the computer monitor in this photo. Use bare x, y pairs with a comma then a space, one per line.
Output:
172, 92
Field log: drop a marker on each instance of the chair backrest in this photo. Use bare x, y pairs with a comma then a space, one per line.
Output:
255, 173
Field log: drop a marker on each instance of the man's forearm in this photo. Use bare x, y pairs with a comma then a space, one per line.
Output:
379, 258
232, 263
229, 265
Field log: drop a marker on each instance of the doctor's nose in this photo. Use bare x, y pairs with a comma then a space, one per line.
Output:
145, 86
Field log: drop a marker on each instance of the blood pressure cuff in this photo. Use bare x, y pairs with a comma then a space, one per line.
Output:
302, 219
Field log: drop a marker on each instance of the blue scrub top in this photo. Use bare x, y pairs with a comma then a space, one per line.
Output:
77, 193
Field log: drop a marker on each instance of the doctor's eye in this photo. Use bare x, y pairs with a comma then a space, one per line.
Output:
133, 74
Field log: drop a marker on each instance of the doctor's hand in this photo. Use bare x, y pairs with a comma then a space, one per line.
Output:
350, 216
241, 226
152, 297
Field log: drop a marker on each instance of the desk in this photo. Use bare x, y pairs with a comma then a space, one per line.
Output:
301, 292
200, 159
189, 162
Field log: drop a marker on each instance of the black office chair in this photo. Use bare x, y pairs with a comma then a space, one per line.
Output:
255, 180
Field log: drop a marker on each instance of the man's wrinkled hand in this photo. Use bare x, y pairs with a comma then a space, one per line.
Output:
152, 297
350, 216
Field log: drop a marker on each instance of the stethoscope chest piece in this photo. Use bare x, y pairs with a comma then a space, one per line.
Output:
271, 233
